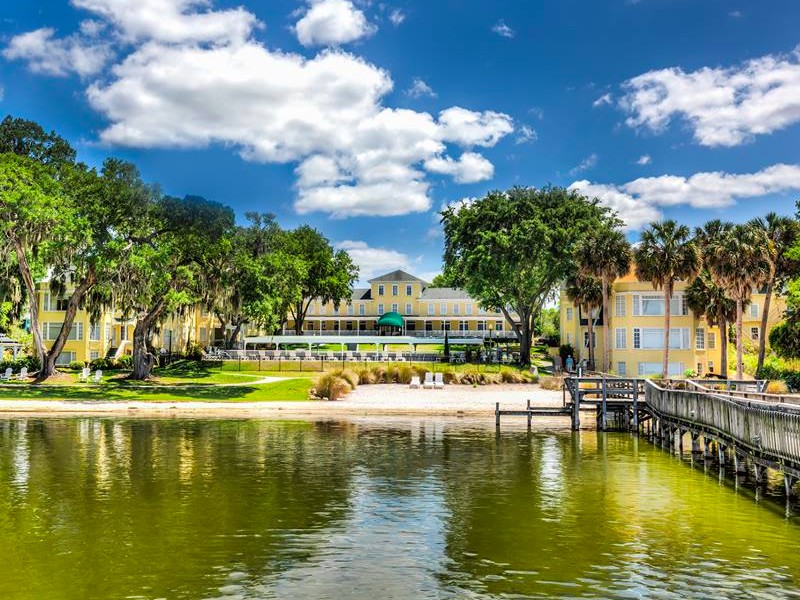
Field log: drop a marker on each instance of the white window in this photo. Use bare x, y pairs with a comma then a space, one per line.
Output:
94, 354
652, 305
455, 309
622, 368
380, 290
310, 310
94, 332
637, 337
711, 366
481, 325
621, 338
712, 340
700, 338
586, 339
652, 338
620, 305
203, 334
380, 309
65, 358
655, 368
395, 290
321, 308
569, 314
409, 290
754, 308
637, 305
108, 331
394, 307
754, 333
431, 309
362, 309
443, 308
468, 308
336, 311
409, 309
498, 326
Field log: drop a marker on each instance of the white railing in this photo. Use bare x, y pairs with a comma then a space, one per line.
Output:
435, 333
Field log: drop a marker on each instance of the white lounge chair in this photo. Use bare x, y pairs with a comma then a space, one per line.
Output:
428, 381
8, 375
23, 374
98, 376
414, 382
438, 381
85, 374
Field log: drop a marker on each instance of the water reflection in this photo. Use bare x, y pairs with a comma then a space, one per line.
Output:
105, 508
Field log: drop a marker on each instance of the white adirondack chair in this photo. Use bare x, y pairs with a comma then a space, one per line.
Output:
98, 376
428, 380
23, 374
414, 382
85, 374
8, 375
438, 381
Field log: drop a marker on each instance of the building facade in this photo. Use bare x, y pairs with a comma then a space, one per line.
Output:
636, 328
426, 310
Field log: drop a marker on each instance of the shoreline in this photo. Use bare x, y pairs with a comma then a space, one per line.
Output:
368, 400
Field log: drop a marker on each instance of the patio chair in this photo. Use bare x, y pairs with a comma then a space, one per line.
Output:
85, 374
23, 374
414, 382
8, 375
438, 381
98, 376
428, 381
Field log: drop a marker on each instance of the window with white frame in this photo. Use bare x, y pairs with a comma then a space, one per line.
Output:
754, 333
409, 290
409, 308
94, 354
443, 308
754, 308
431, 309
380, 290
655, 368
700, 338
94, 332
310, 310
621, 338
395, 290
203, 334
350, 309
498, 326
652, 338
711, 366
481, 325
455, 309
50, 331
637, 337
712, 340
65, 358
394, 307
586, 339
380, 309
619, 303
335, 311
622, 368
637, 305
468, 308
652, 305
362, 309
569, 313
570, 339
321, 308
108, 331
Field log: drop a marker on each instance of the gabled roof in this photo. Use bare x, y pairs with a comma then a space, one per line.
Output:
444, 293
398, 275
361, 294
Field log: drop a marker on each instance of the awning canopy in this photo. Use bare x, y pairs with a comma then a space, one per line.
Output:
391, 319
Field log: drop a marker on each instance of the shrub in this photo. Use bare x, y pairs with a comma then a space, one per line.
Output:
75, 366
102, 363
528, 377
351, 377
365, 376
31, 362
450, 377
123, 362
510, 376
786, 371
194, 351
379, 373
784, 339
330, 386
404, 374
550, 383
777, 387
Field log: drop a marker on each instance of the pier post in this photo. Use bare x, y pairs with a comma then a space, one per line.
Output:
529, 413
695, 443
680, 441
636, 405
576, 408
788, 481
605, 406
497, 414
760, 473
707, 453
721, 454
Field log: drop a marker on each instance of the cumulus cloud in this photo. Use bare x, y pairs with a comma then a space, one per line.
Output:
503, 30
374, 261
526, 134
420, 89
639, 201
470, 168
332, 23
604, 100
50, 55
326, 114
397, 16
587, 163
644, 159
722, 106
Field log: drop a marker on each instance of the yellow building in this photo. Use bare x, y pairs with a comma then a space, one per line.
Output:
426, 310
636, 327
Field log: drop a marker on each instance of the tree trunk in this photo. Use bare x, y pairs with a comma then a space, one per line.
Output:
49, 365
590, 343
667, 324
606, 329
723, 328
143, 360
739, 341
222, 324
525, 335
234, 334
33, 300
762, 334
298, 319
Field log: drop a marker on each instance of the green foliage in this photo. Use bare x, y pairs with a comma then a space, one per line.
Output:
564, 351
510, 250
124, 362
784, 339
776, 370
443, 280
30, 362
29, 139
102, 363
548, 325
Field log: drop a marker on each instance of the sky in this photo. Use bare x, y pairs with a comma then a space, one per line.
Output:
364, 118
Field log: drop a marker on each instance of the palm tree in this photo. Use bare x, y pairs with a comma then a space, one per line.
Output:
782, 232
605, 255
666, 254
705, 298
739, 261
586, 292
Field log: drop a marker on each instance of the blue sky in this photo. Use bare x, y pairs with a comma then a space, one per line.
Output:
365, 118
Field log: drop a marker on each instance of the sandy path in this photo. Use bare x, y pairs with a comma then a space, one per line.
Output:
455, 400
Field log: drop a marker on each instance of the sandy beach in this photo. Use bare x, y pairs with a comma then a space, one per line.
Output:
367, 400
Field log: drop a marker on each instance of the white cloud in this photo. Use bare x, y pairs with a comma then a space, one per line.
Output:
397, 17
332, 23
374, 261
736, 14
501, 29
644, 159
353, 155
587, 163
50, 55
419, 89
470, 168
604, 100
640, 200
470, 128
526, 134
723, 106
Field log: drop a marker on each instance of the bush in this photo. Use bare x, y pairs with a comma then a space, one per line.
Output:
123, 362
102, 363
331, 386
774, 371
194, 351
365, 376
31, 362
784, 339
350, 377
551, 383
75, 366
777, 387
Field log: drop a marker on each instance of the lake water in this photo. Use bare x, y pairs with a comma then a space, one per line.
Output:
115, 508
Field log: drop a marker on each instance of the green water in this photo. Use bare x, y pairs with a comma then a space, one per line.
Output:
105, 508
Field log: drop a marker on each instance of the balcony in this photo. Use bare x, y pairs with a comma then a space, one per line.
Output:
434, 333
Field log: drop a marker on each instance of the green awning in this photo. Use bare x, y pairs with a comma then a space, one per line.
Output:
392, 319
